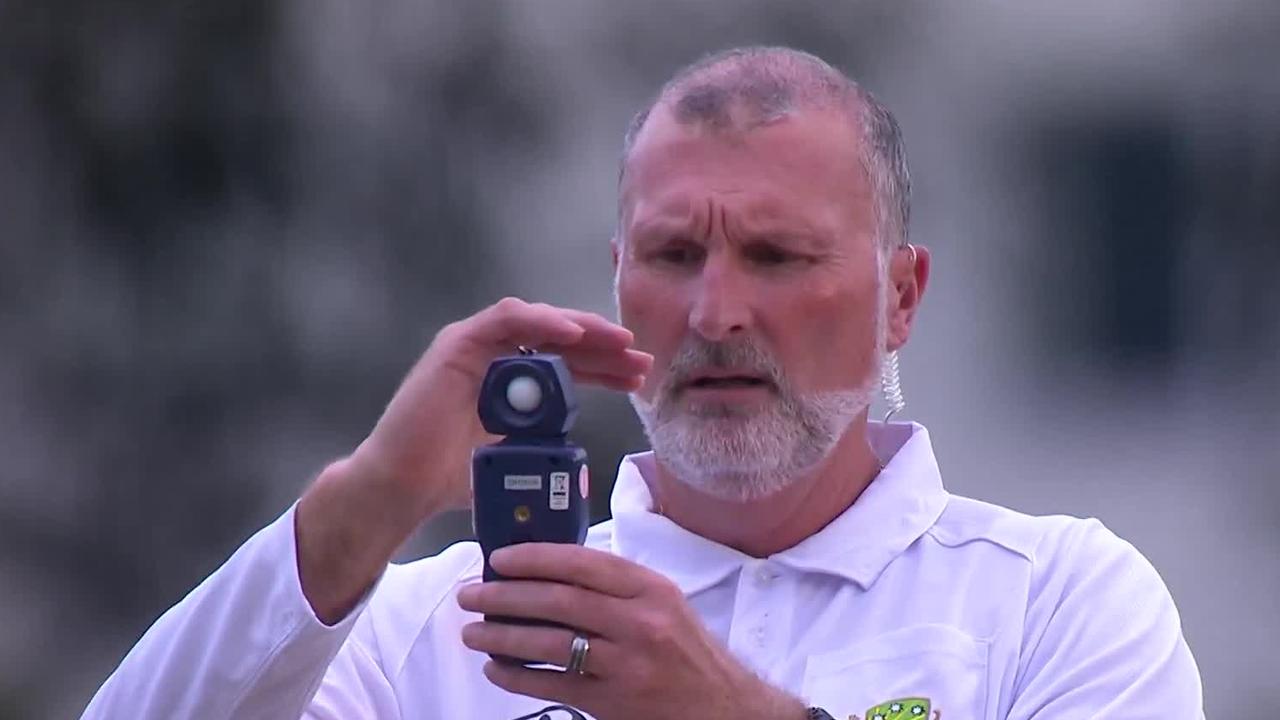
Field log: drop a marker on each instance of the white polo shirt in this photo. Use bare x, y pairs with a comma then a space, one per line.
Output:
912, 603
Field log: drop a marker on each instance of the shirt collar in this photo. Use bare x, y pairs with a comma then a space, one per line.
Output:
903, 501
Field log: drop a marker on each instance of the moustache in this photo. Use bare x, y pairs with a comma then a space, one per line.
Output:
697, 355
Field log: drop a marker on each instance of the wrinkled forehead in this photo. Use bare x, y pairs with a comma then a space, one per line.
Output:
804, 165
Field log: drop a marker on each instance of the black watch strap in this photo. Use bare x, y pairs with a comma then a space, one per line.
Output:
817, 713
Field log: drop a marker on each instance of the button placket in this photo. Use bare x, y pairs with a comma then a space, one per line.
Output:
755, 635
764, 575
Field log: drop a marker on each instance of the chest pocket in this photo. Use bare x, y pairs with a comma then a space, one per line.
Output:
923, 671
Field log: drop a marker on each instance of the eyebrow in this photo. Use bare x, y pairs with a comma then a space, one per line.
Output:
788, 233
661, 223
679, 219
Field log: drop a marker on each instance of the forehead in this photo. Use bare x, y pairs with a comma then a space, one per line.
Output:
805, 166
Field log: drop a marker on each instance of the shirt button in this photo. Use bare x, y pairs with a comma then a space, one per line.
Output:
764, 575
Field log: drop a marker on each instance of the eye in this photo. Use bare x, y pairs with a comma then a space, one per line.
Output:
679, 252
769, 255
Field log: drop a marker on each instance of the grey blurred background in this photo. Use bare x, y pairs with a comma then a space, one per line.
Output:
227, 229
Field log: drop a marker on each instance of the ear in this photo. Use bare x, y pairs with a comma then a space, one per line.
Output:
908, 276
615, 248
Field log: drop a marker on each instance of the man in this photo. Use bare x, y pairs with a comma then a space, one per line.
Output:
777, 556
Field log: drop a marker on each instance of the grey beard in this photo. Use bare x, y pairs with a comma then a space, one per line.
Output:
740, 456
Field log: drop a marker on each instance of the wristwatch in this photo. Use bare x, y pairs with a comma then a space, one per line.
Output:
817, 713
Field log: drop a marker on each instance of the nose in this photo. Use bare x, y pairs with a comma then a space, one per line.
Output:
721, 306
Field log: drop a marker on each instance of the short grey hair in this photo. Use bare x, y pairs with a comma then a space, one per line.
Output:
767, 83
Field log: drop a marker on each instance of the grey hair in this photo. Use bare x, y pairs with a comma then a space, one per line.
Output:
767, 83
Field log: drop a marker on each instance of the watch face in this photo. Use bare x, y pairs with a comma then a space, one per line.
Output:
819, 714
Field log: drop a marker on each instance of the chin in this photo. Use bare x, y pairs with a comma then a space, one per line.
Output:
735, 486
733, 460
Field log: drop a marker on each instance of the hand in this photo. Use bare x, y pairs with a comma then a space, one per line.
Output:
423, 441
650, 655
416, 461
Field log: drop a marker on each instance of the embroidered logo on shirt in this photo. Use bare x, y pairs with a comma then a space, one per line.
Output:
902, 709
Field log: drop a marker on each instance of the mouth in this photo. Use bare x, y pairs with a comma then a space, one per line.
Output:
727, 381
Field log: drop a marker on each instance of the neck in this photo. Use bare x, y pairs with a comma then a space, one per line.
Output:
771, 524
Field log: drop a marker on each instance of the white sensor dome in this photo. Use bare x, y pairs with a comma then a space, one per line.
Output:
524, 394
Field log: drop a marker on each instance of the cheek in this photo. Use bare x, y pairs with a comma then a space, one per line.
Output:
658, 316
831, 335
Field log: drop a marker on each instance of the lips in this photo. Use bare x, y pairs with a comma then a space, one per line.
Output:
727, 382
719, 379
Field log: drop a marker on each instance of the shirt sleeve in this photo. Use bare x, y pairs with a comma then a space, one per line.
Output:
245, 644
354, 687
1103, 638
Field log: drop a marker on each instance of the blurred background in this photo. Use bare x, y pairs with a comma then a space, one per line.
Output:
227, 229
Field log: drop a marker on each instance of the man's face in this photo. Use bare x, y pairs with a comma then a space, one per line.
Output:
747, 265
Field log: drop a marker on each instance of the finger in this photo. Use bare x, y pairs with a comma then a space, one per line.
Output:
600, 331
575, 565
534, 643
551, 685
527, 642
618, 362
547, 601
511, 322
627, 385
